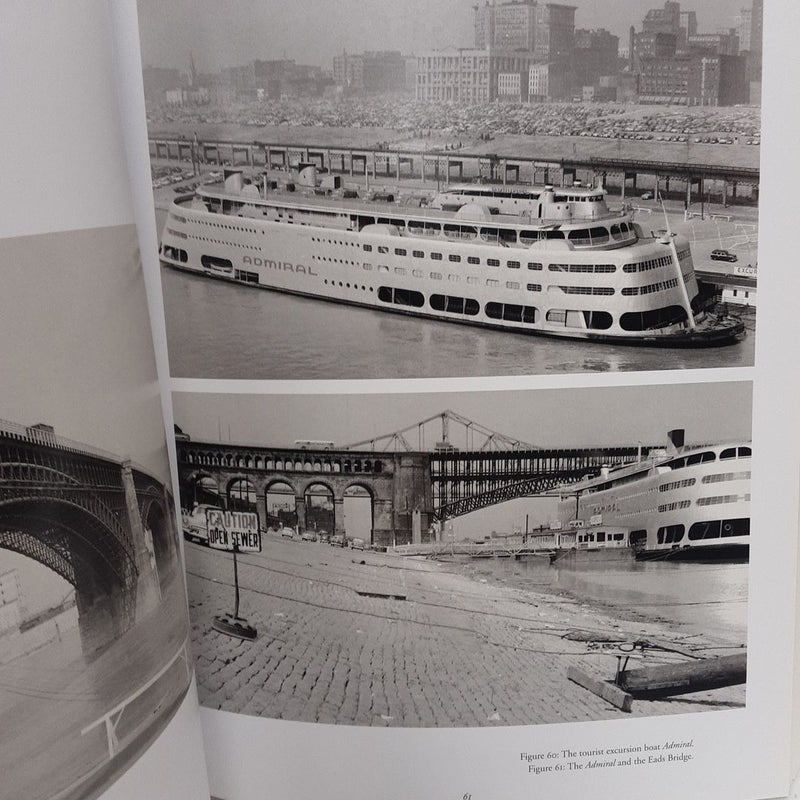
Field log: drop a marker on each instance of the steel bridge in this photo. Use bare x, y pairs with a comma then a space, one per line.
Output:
101, 523
442, 467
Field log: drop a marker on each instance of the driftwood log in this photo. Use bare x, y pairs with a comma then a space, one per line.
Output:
693, 676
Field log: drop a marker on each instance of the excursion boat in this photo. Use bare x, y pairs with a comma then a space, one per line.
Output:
541, 260
689, 503
592, 544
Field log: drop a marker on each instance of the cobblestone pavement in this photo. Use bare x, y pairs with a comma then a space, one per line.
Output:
454, 652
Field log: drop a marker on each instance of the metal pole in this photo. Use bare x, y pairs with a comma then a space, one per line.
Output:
236, 585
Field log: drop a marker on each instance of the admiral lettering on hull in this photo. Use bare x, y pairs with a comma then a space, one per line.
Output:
254, 261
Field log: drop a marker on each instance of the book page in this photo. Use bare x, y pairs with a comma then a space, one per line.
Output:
485, 428
97, 675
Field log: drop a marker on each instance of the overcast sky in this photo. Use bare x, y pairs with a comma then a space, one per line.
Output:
223, 33
712, 412
78, 355
709, 412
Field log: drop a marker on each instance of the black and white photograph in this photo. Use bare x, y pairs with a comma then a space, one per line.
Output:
94, 657
468, 559
454, 189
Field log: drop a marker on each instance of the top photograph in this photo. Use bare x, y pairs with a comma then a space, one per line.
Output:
446, 189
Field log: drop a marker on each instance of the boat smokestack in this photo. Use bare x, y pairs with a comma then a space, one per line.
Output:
676, 439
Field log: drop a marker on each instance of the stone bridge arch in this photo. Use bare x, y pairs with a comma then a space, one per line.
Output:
87, 549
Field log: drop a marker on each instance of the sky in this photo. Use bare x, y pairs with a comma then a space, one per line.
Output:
710, 412
74, 304
233, 32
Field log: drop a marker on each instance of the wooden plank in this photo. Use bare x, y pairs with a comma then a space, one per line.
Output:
695, 676
612, 694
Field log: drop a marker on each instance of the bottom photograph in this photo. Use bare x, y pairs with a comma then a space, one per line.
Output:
469, 558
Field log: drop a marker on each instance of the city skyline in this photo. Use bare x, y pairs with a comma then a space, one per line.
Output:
236, 33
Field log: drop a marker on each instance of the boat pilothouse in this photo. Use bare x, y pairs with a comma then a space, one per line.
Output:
545, 260
691, 502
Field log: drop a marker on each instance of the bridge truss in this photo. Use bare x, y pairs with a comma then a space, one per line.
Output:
468, 481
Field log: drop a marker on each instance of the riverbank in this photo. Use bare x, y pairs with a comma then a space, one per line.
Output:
369, 639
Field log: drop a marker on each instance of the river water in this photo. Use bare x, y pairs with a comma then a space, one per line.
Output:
221, 330
700, 599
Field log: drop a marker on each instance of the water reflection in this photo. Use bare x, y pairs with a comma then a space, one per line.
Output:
220, 330
702, 598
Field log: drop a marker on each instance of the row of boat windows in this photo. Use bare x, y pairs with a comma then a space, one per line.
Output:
575, 318
516, 195
699, 531
531, 287
687, 461
709, 455
454, 258
511, 312
618, 232
655, 263
722, 498
475, 281
717, 477
240, 245
661, 286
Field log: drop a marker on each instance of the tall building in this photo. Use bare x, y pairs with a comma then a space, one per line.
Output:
467, 75
688, 26
744, 28
549, 81
693, 80
596, 54
484, 25
663, 20
383, 71
545, 30
654, 45
723, 43
514, 26
554, 32
757, 29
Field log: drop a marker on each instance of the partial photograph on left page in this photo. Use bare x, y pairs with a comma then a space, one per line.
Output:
93, 623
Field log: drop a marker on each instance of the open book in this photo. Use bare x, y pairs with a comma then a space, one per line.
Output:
385, 411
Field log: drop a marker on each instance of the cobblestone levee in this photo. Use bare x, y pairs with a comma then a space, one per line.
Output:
454, 652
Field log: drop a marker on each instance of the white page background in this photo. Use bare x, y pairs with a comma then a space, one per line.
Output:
741, 753
64, 168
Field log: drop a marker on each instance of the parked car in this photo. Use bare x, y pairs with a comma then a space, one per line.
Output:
195, 527
324, 537
358, 544
337, 540
287, 531
723, 255
308, 536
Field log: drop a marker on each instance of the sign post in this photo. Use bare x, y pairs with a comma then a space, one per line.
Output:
236, 532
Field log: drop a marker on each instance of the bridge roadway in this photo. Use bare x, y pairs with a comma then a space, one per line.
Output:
101, 523
409, 491
396, 164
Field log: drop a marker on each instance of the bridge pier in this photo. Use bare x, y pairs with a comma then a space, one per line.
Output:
338, 516
300, 511
148, 589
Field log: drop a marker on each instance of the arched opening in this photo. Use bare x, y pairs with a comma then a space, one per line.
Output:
319, 508
88, 548
281, 511
203, 490
241, 495
358, 514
